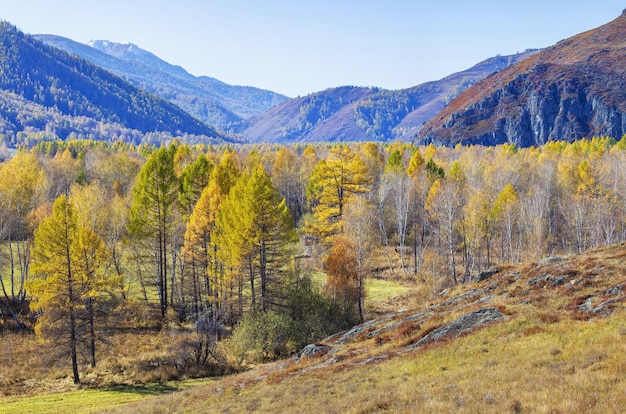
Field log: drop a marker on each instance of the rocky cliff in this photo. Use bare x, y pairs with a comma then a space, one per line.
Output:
572, 90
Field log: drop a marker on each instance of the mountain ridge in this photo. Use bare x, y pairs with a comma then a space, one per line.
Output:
571, 90
54, 87
351, 113
208, 99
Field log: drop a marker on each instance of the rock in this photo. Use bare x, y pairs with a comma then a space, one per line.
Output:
311, 351
460, 326
485, 275
356, 331
548, 279
586, 306
615, 290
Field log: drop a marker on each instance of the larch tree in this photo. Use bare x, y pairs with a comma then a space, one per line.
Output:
342, 175
67, 267
420, 186
200, 252
153, 215
193, 179
255, 234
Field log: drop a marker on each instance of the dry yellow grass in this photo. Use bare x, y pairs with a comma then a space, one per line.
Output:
560, 349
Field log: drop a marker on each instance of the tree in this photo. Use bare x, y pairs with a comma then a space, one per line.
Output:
152, 215
23, 186
333, 182
288, 178
420, 186
193, 179
399, 183
341, 272
359, 222
208, 287
67, 273
255, 232
506, 213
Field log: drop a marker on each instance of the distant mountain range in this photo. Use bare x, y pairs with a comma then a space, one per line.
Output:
572, 90
210, 100
46, 91
365, 114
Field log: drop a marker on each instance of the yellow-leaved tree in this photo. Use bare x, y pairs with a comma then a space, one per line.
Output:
334, 180
68, 274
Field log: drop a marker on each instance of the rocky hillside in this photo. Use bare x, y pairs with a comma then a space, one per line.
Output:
572, 90
495, 345
210, 100
365, 114
48, 92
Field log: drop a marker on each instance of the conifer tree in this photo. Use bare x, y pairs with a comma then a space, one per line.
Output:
67, 268
255, 230
152, 215
332, 183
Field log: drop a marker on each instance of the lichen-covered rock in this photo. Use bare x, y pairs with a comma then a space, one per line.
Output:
311, 351
465, 323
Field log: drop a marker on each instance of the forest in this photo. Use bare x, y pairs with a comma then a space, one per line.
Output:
250, 252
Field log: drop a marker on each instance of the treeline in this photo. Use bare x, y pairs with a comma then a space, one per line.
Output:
224, 236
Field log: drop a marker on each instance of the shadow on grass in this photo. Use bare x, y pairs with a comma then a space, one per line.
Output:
145, 389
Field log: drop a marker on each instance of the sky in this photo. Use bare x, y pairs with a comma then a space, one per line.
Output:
296, 47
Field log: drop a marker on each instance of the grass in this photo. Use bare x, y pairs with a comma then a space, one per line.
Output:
91, 400
380, 289
543, 358
572, 366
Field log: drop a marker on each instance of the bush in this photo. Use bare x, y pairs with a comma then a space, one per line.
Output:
307, 315
261, 336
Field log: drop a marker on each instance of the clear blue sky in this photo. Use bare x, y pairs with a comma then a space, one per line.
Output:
296, 47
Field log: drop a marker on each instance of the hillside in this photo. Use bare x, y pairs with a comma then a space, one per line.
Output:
47, 91
210, 100
539, 337
571, 90
360, 114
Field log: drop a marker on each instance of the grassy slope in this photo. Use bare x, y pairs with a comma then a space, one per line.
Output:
53, 391
560, 348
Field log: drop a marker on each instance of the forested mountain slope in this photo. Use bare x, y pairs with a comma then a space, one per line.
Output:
210, 100
365, 114
47, 90
571, 90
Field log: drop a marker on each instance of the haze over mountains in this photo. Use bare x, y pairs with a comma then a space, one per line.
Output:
337, 114
210, 100
572, 90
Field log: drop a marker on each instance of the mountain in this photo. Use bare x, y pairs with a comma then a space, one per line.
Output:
46, 90
357, 114
572, 90
210, 100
